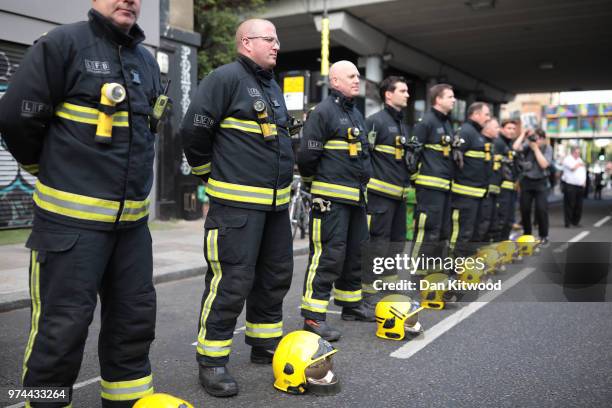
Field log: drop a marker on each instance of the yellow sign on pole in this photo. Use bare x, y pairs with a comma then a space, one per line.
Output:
325, 46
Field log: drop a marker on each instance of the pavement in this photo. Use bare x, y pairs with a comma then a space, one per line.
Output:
511, 350
177, 254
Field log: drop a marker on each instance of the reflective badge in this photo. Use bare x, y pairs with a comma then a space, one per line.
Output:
372, 137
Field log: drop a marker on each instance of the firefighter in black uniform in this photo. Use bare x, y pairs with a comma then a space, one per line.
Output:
78, 115
487, 218
236, 139
334, 155
471, 179
507, 196
387, 134
435, 174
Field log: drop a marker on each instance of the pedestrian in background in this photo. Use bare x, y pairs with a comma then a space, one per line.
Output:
574, 182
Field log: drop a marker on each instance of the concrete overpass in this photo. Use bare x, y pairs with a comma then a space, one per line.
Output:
488, 49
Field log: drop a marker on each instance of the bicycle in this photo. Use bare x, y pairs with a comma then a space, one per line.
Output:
299, 208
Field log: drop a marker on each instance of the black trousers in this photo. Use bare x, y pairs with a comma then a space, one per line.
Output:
432, 222
534, 190
464, 217
250, 258
69, 267
573, 196
387, 226
336, 240
488, 224
505, 214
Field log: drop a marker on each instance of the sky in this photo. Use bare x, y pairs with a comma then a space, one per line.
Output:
574, 98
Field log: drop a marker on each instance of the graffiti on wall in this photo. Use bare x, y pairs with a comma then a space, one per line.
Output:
16, 185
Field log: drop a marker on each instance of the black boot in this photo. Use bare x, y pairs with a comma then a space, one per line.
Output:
361, 313
261, 355
321, 328
217, 381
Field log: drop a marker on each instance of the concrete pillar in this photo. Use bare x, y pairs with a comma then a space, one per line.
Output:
373, 75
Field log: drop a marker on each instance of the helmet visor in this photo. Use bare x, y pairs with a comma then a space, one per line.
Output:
321, 379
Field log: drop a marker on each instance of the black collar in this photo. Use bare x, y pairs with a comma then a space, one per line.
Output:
442, 116
104, 26
259, 72
475, 124
398, 115
340, 99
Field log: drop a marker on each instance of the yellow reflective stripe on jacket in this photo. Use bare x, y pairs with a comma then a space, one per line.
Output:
347, 296
436, 147
507, 184
214, 348
385, 149
462, 189
384, 187
30, 168
84, 114
87, 208
339, 145
334, 190
432, 181
264, 330
493, 189
201, 170
247, 194
475, 154
134, 210
245, 125
126, 390
75, 205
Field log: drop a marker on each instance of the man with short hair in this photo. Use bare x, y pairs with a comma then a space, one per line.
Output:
471, 178
334, 155
388, 185
235, 137
574, 181
436, 170
94, 163
508, 194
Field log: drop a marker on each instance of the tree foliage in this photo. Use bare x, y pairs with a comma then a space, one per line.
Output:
216, 21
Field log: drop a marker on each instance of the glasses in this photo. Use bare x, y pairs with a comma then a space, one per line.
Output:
269, 40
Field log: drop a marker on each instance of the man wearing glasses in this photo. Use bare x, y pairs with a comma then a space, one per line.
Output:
235, 137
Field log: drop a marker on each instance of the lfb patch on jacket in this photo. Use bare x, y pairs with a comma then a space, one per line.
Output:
254, 92
97, 67
203, 121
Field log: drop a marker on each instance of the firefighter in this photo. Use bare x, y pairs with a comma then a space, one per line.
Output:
435, 173
487, 218
334, 155
387, 134
77, 115
471, 178
235, 137
508, 194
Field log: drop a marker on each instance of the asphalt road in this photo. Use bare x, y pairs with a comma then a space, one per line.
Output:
512, 351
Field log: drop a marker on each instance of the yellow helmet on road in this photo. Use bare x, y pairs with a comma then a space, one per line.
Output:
396, 315
527, 245
472, 273
160, 400
507, 251
435, 291
492, 260
302, 362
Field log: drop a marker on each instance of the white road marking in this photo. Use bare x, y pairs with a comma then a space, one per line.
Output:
420, 342
576, 238
602, 221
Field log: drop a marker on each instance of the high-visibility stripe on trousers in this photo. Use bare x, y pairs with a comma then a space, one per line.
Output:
467, 209
335, 259
250, 258
70, 267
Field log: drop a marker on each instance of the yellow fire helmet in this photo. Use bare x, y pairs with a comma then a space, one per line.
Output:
527, 245
160, 400
303, 362
435, 291
472, 274
507, 250
397, 315
492, 260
